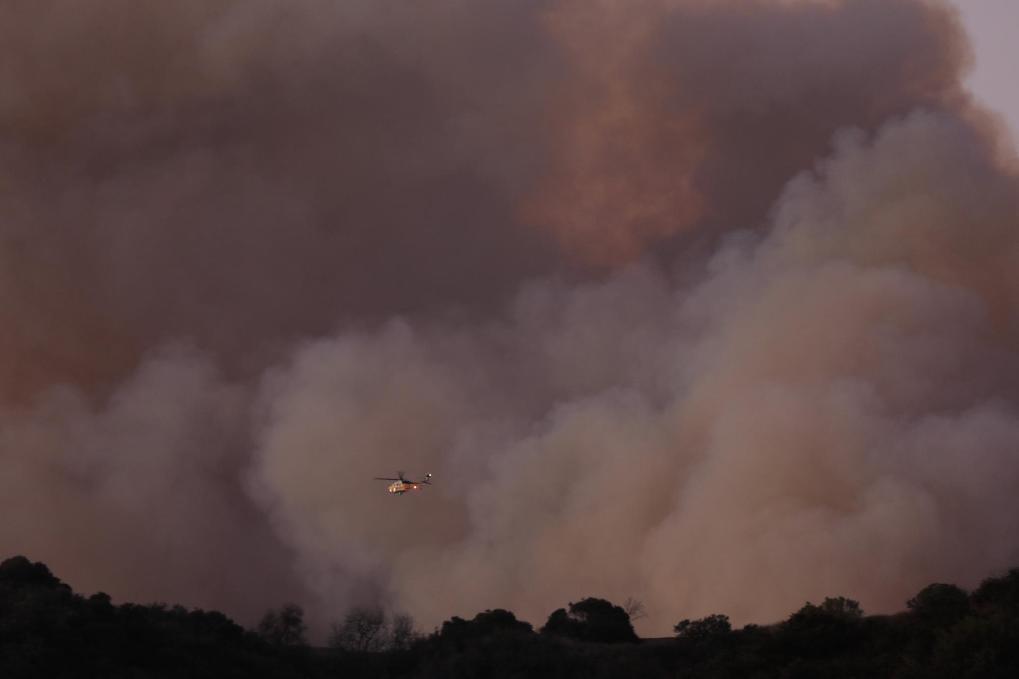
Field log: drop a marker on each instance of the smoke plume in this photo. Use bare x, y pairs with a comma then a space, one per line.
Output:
707, 303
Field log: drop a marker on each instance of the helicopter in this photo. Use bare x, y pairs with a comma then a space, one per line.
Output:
401, 484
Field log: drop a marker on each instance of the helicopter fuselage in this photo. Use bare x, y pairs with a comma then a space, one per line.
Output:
401, 487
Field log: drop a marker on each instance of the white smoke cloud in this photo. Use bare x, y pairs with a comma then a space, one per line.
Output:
828, 411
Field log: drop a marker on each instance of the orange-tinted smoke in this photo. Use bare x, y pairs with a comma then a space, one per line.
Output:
244, 173
679, 115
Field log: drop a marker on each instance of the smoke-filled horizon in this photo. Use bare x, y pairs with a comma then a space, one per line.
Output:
711, 304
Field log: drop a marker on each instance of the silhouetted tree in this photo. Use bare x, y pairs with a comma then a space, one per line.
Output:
1001, 592
284, 627
939, 605
985, 641
46, 630
841, 607
20, 572
371, 630
976, 648
591, 620
363, 629
818, 630
704, 630
486, 624
634, 608
402, 633
499, 620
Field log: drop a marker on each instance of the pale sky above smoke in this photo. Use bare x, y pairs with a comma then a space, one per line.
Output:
707, 303
990, 26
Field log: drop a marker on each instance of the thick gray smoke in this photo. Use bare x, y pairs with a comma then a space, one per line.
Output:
830, 408
706, 303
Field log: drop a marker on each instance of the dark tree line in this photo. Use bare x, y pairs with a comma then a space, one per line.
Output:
46, 630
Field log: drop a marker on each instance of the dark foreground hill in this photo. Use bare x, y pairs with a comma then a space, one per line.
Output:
46, 630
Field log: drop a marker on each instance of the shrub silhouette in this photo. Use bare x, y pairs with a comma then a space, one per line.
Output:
591, 619
939, 605
486, 624
704, 630
46, 630
284, 627
827, 629
18, 571
1001, 592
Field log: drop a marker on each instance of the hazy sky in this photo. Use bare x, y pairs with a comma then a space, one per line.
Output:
711, 303
992, 26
